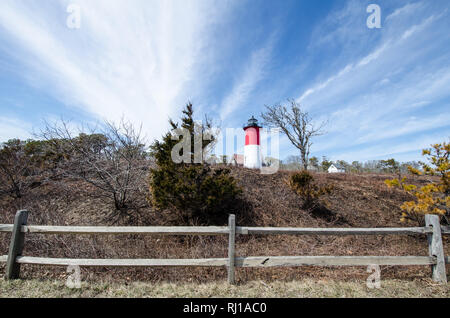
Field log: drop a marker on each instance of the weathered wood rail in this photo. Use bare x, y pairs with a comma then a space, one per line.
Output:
436, 258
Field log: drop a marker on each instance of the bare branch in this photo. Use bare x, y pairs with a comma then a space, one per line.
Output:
296, 124
112, 159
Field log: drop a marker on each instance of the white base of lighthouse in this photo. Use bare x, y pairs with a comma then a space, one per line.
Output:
252, 157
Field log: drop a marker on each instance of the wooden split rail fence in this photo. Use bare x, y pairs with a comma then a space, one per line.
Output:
433, 230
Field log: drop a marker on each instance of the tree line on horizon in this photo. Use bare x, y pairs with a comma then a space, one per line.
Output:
370, 166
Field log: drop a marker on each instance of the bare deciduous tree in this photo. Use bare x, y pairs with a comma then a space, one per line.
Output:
112, 159
296, 124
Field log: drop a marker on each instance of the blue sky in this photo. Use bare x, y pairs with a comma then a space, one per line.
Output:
385, 92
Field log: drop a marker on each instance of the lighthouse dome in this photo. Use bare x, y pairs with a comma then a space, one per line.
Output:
252, 122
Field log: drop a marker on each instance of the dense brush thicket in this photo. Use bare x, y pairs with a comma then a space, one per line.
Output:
113, 161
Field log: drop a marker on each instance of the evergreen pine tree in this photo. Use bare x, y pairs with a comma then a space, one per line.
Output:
195, 193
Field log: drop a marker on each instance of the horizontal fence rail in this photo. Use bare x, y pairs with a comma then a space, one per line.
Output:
218, 230
6, 227
445, 230
253, 261
436, 258
332, 231
151, 230
121, 262
264, 261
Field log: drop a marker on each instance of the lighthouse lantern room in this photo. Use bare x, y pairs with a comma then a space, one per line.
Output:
252, 151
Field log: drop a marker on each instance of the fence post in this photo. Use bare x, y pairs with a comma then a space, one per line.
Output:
436, 249
231, 245
16, 245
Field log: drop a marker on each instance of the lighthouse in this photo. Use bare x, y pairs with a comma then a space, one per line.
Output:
252, 149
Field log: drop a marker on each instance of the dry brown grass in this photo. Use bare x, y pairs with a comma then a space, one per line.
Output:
306, 288
357, 201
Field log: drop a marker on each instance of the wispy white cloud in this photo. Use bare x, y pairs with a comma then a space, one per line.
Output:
248, 80
370, 100
403, 150
404, 126
351, 67
405, 10
418, 27
137, 61
11, 128
339, 28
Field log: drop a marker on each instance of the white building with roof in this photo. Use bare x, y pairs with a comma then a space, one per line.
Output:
334, 169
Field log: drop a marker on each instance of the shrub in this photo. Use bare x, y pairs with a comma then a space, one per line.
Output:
303, 184
195, 193
433, 198
20, 168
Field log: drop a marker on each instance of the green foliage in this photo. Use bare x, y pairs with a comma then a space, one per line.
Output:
21, 166
30, 163
344, 165
326, 164
303, 184
314, 162
356, 167
391, 166
195, 193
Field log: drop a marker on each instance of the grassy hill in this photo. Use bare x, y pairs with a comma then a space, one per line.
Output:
356, 201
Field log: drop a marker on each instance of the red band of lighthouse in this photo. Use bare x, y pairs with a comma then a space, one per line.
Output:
252, 136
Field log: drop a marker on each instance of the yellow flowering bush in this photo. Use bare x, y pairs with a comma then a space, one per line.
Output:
433, 198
